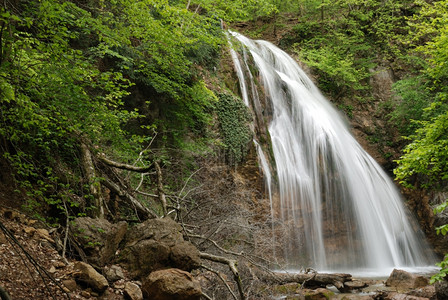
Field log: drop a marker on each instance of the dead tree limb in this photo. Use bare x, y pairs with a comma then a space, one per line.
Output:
122, 166
311, 279
141, 210
222, 279
160, 190
232, 266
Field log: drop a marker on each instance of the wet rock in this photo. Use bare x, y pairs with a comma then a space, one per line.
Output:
133, 291
113, 273
98, 238
425, 292
404, 280
441, 288
318, 294
171, 284
398, 296
87, 275
156, 244
354, 285
355, 297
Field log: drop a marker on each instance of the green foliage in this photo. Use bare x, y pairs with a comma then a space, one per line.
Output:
443, 265
238, 10
233, 118
425, 159
427, 154
67, 74
343, 40
409, 107
337, 70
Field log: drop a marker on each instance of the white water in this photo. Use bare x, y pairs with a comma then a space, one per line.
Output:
333, 206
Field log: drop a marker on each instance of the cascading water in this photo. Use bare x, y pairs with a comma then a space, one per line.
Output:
333, 207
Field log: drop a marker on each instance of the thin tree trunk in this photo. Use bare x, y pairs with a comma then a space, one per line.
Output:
94, 184
160, 191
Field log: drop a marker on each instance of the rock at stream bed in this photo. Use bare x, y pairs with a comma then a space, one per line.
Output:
404, 280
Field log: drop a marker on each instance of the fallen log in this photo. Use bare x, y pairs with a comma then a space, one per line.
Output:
310, 280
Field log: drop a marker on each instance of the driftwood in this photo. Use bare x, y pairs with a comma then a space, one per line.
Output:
310, 279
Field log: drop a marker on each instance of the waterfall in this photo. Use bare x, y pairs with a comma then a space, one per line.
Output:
333, 207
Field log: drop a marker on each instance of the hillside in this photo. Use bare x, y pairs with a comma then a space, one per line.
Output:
131, 110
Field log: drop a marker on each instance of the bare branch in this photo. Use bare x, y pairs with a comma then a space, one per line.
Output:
122, 166
222, 279
232, 265
144, 211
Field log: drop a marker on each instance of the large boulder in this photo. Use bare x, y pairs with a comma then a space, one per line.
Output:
171, 284
406, 281
98, 238
87, 275
157, 244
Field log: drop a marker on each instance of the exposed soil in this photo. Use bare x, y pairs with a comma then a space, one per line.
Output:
32, 268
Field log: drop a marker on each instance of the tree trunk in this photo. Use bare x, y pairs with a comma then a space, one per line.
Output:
160, 190
94, 184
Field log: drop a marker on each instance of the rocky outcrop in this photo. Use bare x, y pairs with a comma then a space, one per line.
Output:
156, 244
98, 238
404, 280
171, 284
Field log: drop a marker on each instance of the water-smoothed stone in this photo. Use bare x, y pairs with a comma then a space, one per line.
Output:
354, 297
318, 294
426, 292
404, 280
171, 284
398, 296
355, 285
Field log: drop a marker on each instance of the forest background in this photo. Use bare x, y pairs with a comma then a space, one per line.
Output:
148, 84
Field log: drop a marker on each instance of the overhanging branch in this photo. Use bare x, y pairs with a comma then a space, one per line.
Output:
123, 166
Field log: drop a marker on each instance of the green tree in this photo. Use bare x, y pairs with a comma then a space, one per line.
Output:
426, 157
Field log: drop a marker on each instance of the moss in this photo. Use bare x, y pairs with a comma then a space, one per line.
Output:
234, 118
